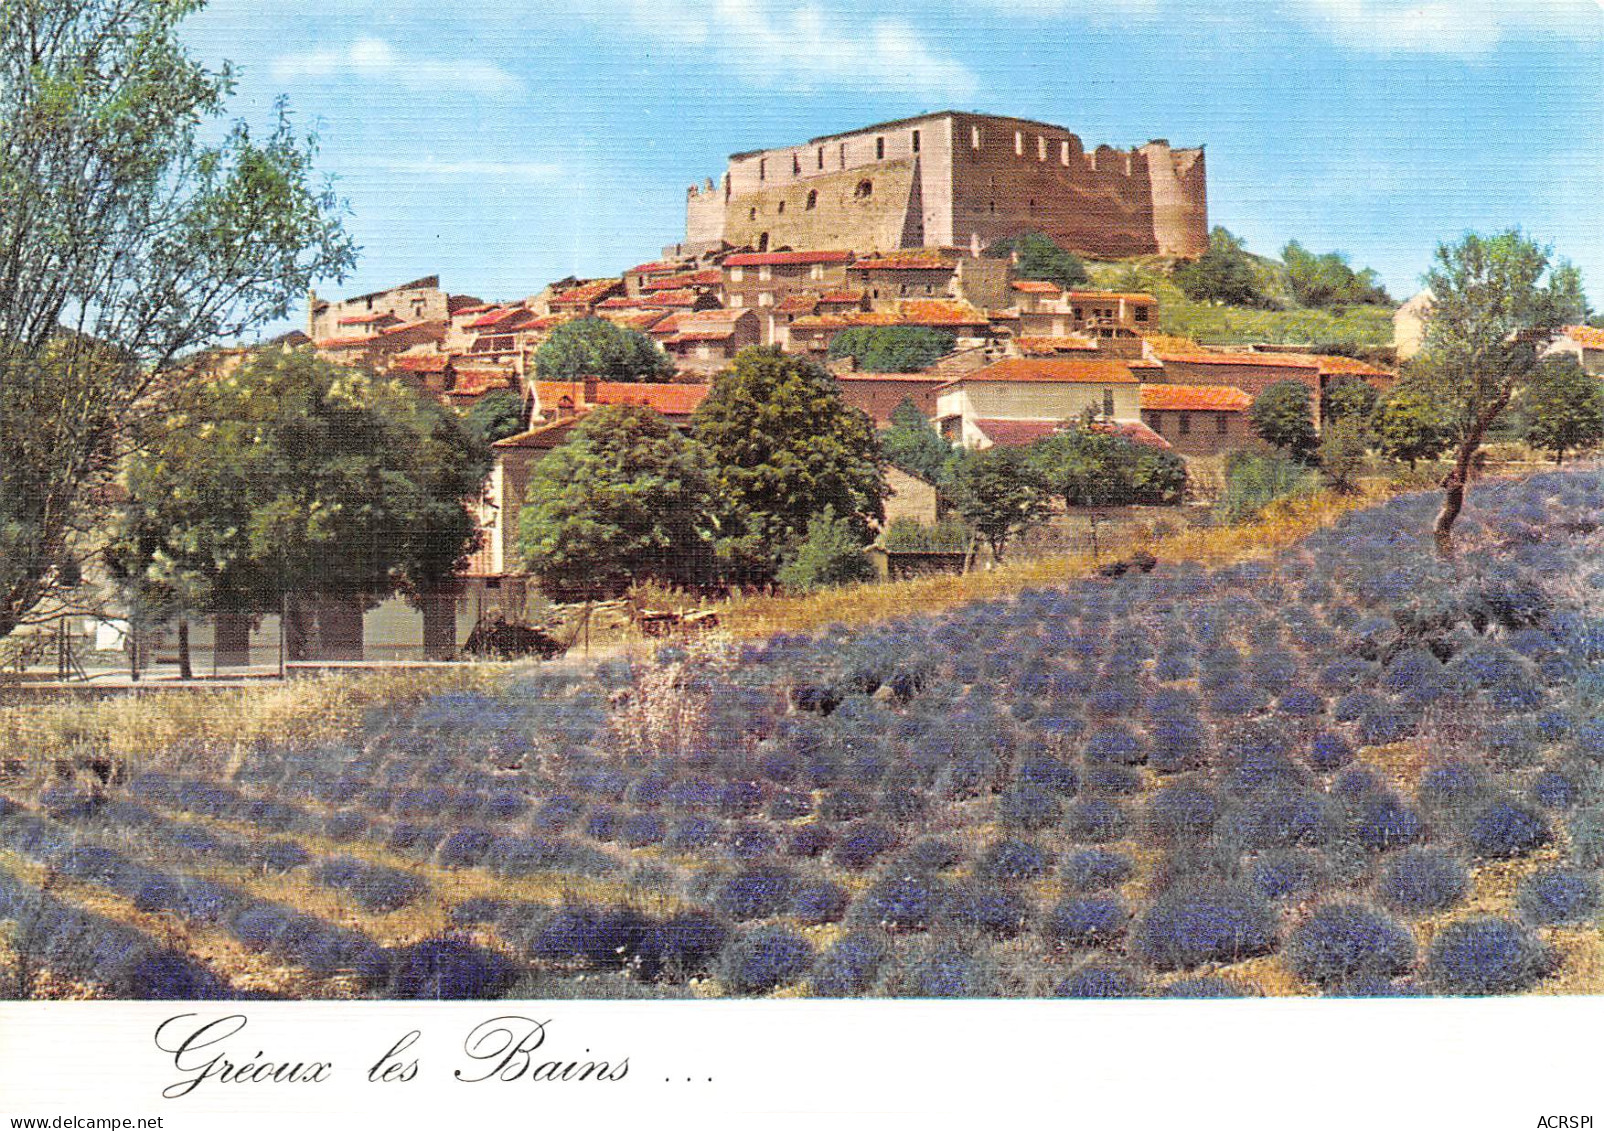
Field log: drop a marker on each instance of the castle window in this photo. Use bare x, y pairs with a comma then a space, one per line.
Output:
762, 168
974, 137
994, 208
916, 141
843, 155
813, 200
1079, 315
1108, 402
1063, 153
821, 156
765, 298
879, 149
763, 242
752, 215
1033, 207
1019, 143
1041, 148
796, 165
781, 208
864, 190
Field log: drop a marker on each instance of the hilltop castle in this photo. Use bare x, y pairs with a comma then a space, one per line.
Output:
956, 180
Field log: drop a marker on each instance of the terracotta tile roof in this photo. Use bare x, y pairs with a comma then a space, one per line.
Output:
906, 261
542, 436
1072, 370
1133, 430
423, 363
1144, 363
1046, 346
661, 267
1016, 433
496, 318
668, 399
345, 343
711, 278
669, 299
1281, 360
938, 312
1036, 286
367, 319
847, 319
587, 294
702, 334
685, 320
1128, 296
1003, 315
463, 304
784, 258
1334, 365
797, 304
1194, 398
1588, 337
910, 378
635, 319
843, 296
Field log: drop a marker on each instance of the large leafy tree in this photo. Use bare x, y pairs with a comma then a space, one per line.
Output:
1283, 417
626, 499
1564, 407
595, 347
126, 243
783, 447
1497, 300
496, 415
912, 443
1093, 469
1223, 274
1327, 280
1040, 258
893, 349
1409, 425
297, 478
1001, 493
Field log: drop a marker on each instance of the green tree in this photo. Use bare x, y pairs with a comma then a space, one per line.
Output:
1497, 300
130, 241
1409, 425
626, 499
1327, 280
1349, 397
1342, 451
595, 347
297, 478
1223, 274
1281, 416
1094, 469
912, 443
496, 415
1564, 407
1041, 258
1001, 493
830, 555
783, 446
893, 349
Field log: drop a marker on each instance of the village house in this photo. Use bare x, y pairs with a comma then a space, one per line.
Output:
1251, 372
1199, 420
421, 300
879, 394
707, 340
763, 280
1020, 400
931, 273
1585, 344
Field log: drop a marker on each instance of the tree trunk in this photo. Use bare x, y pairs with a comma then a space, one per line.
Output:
184, 669
1458, 478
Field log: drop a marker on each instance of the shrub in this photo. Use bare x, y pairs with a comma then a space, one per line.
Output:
1095, 821
750, 842
681, 945
1486, 954
846, 804
1095, 869
1279, 821
830, 555
1048, 774
862, 844
1090, 920
1097, 980
1554, 790
949, 971
907, 903
1182, 813
1189, 926
816, 903
1342, 941
447, 970
464, 848
790, 805
1177, 743
1204, 988
1587, 838
759, 894
850, 966
1384, 822
1282, 875
764, 959
1451, 790
1557, 896
1013, 860
809, 841
1503, 829
1029, 808
1421, 881
642, 829
376, 889
1115, 744
933, 854
985, 907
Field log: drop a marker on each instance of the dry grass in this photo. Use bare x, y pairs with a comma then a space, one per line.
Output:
1281, 525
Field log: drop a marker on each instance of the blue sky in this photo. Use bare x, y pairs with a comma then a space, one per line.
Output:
503, 147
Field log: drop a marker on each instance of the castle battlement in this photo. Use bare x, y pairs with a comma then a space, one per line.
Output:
954, 179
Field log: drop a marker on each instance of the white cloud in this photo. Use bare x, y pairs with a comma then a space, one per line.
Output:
1450, 27
770, 42
374, 60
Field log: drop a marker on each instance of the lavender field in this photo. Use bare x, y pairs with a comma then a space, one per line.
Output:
1349, 769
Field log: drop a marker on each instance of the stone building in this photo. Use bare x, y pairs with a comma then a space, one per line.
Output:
1200, 420
955, 179
1018, 400
421, 300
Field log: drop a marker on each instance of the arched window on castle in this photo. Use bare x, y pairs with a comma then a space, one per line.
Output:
1041, 148
974, 137
1063, 153
864, 190
813, 200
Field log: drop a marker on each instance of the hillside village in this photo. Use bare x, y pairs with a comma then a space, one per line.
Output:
890, 226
